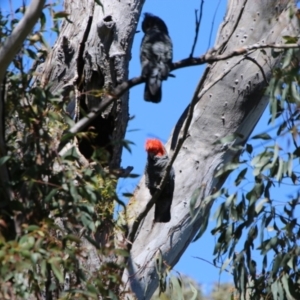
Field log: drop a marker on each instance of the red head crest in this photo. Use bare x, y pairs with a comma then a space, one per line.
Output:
155, 146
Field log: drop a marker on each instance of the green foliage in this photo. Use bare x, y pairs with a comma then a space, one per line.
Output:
185, 288
57, 201
251, 219
178, 287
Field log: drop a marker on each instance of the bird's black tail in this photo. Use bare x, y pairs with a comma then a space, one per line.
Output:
153, 86
162, 212
148, 96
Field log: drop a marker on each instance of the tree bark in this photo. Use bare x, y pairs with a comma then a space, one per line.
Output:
230, 99
92, 53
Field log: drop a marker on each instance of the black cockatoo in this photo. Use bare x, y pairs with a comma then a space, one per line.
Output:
156, 56
154, 171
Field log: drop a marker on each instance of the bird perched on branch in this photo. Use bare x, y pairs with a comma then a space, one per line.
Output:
155, 55
154, 172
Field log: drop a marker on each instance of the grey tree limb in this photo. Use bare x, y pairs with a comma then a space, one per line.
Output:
188, 62
233, 105
13, 43
92, 53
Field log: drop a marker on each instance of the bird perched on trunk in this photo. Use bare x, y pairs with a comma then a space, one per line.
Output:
155, 55
154, 171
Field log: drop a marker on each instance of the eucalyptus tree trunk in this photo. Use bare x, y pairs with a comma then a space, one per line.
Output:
90, 57
229, 99
92, 53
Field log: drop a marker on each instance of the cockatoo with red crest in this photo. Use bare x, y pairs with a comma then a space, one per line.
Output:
156, 164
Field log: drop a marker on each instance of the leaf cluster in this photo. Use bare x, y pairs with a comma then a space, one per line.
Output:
257, 233
59, 204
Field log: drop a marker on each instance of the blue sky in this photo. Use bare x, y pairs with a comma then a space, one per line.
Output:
157, 120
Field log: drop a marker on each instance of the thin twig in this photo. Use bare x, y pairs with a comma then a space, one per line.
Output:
211, 58
212, 24
110, 98
188, 62
164, 179
207, 261
181, 139
259, 66
197, 27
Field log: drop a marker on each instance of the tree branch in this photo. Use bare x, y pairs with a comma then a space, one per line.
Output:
207, 261
109, 99
209, 57
13, 43
260, 67
136, 224
197, 27
189, 117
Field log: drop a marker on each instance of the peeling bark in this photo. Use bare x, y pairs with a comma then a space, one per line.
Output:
92, 54
230, 99
90, 57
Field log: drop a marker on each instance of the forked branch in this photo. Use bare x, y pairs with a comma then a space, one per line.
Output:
209, 57
197, 27
180, 141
